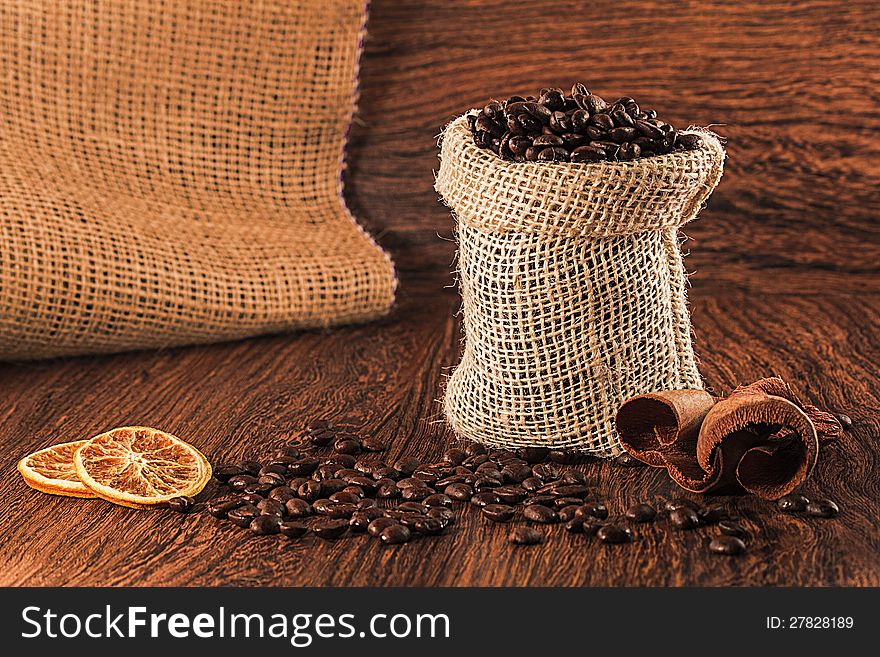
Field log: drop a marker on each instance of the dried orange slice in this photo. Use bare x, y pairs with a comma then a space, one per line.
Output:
51, 470
141, 467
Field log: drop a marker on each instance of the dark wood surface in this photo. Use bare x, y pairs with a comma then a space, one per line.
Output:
785, 281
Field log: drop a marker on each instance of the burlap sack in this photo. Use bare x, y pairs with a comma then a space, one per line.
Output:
170, 174
573, 290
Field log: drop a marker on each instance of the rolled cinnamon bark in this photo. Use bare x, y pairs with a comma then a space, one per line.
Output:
761, 439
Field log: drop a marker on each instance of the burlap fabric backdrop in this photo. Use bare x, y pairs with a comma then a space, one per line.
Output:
573, 290
170, 174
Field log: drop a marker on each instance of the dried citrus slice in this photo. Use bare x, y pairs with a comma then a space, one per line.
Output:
141, 467
51, 470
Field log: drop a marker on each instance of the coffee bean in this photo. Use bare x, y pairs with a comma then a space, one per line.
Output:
454, 456
438, 499
242, 481
265, 525
310, 491
540, 500
182, 504
485, 498
498, 512
540, 514
574, 526
570, 490
563, 456
258, 488
387, 492
413, 507
442, 513
251, 467
591, 526
461, 492
407, 465
292, 529
823, 508
336, 509
297, 508
330, 486
689, 141
281, 493
568, 513
417, 493
347, 446
473, 449
346, 498
532, 484
376, 526
792, 503
243, 515
510, 494
221, 508
525, 536
516, 473
684, 518
394, 534
303, 467
252, 498
562, 502
545, 471
614, 534
731, 528
727, 545
367, 503
360, 520
574, 477
330, 529
679, 503
592, 510
344, 460
270, 507
224, 473
641, 513
429, 526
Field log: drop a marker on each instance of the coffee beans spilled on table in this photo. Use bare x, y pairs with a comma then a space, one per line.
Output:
576, 127
332, 483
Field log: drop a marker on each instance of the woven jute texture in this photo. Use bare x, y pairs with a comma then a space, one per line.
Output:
170, 173
573, 290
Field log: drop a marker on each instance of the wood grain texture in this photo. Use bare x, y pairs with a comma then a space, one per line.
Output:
786, 282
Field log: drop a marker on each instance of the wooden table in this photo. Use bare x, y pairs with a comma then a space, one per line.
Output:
785, 281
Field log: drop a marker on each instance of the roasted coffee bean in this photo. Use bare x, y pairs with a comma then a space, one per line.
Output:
540, 514
573, 526
730, 528
679, 503
563, 456
259, 489
243, 515
387, 492
443, 513
221, 508
372, 444
288, 450
337, 509
510, 494
346, 498
273, 479
224, 473
429, 526
525, 536
823, 508
242, 481
684, 518
330, 529
569, 490
296, 482
484, 499
438, 499
310, 491
278, 462
641, 513
333, 485
270, 507
297, 508
417, 493
590, 526
568, 513
498, 512
476, 460
355, 491
532, 484
845, 421
302, 468
385, 472
276, 468
364, 483
545, 471
572, 477
182, 504
376, 526
561, 502
602, 121
533, 454
711, 515
592, 510
626, 460
614, 534
472, 449
265, 525
688, 141
360, 520
454, 456
727, 545
486, 483
292, 529
407, 465
460, 492
252, 498
342, 460
322, 437
251, 467
516, 473
394, 534
793, 503
588, 154
347, 446
539, 500
367, 503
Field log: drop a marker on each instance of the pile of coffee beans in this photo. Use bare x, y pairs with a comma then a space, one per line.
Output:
576, 127
332, 482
